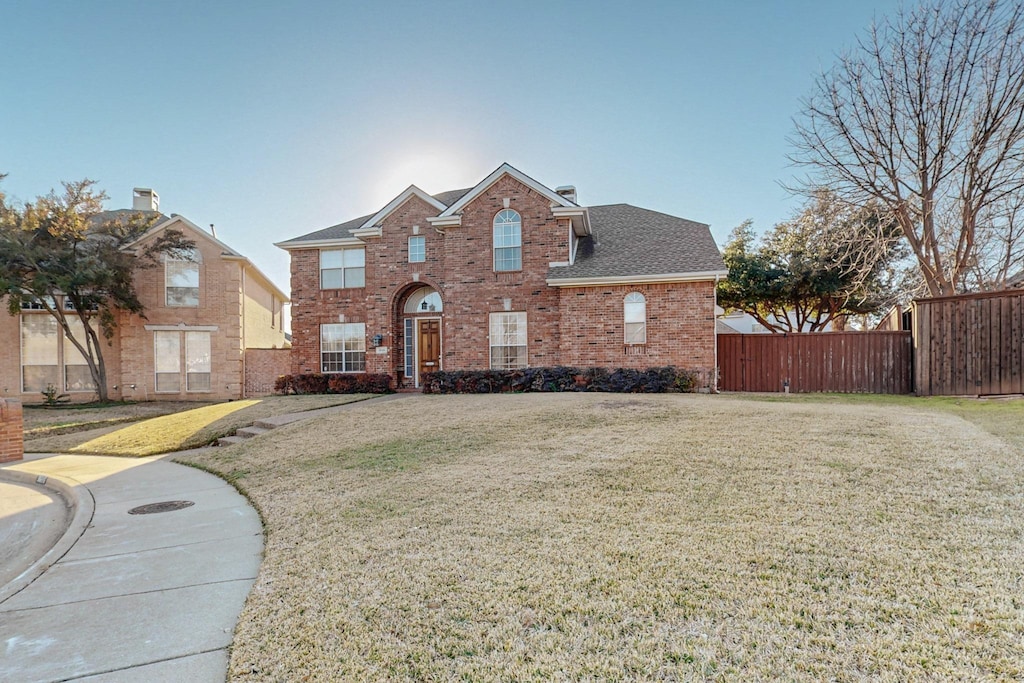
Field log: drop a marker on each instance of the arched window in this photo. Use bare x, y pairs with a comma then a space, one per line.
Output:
634, 315
423, 300
508, 241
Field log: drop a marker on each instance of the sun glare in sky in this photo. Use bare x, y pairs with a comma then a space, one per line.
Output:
431, 170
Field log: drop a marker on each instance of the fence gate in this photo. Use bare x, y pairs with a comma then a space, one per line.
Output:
845, 362
970, 344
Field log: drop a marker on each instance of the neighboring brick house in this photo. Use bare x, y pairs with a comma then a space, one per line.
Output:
506, 274
201, 316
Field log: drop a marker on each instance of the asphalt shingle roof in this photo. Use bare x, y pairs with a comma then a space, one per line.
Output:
629, 241
451, 196
335, 232
626, 241
122, 215
342, 230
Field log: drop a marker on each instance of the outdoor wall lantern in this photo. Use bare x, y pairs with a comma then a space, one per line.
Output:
378, 339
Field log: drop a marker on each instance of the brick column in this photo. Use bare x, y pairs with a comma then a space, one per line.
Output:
12, 436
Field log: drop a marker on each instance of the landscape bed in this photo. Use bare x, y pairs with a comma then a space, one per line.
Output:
613, 537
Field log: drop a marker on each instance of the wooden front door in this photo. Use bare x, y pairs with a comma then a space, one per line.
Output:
429, 346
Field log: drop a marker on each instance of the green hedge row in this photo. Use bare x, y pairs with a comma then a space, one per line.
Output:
559, 378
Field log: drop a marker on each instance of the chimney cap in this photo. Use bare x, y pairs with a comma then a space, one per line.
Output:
567, 191
145, 199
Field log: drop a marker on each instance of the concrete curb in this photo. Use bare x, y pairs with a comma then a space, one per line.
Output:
76, 497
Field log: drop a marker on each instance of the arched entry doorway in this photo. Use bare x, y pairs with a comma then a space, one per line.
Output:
421, 333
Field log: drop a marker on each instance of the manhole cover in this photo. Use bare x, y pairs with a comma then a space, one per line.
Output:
165, 506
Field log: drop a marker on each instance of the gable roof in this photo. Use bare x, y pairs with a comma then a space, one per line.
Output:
411, 191
226, 251
505, 169
190, 227
641, 245
344, 231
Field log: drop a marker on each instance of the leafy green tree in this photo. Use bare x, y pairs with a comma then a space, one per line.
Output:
63, 253
829, 262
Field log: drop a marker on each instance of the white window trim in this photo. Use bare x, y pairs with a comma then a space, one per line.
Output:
526, 339
342, 372
320, 264
495, 247
181, 379
423, 239
625, 302
196, 262
183, 372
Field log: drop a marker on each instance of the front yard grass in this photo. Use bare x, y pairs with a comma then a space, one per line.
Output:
181, 430
43, 421
625, 537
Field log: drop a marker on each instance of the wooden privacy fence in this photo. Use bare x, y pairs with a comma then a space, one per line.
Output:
969, 344
849, 362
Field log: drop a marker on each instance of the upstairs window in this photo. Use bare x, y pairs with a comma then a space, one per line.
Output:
181, 280
417, 249
634, 313
342, 268
508, 241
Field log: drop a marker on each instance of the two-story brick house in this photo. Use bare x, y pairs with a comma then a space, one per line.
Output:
505, 274
204, 319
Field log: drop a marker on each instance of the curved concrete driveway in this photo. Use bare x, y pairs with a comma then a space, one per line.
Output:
32, 520
152, 597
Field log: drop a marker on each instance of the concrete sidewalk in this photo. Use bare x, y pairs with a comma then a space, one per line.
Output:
137, 597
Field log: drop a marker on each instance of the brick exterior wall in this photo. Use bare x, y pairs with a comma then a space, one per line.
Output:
12, 434
580, 326
262, 368
130, 355
680, 327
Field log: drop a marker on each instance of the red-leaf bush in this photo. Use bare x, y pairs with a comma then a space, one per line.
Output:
316, 383
559, 378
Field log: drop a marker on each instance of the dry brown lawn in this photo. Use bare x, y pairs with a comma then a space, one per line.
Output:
41, 421
612, 537
174, 426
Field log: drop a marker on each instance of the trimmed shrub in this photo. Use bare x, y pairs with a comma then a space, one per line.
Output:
560, 378
315, 383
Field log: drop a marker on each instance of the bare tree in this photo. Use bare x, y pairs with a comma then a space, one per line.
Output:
926, 116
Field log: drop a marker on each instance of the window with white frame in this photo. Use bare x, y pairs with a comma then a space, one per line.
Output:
49, 357
197, 361
76, 369
168, 361
181, 279
508, 241
342, 268
343, 347
40, 349
167, 357
508, 341
634, 314
417, 249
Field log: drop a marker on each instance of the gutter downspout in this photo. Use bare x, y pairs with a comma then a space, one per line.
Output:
714, 307
241, 389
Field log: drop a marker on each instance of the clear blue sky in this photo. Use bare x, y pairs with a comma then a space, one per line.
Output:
271, 120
